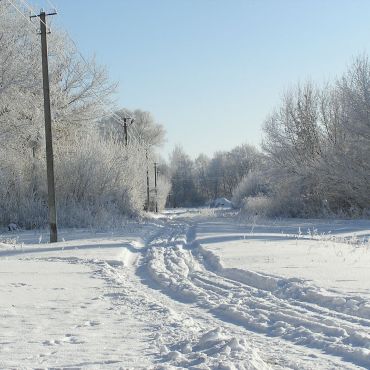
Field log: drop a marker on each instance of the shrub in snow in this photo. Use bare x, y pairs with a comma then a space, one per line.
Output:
280, 196
12, 226
259, 206
159, 197
21, 189
99, 179
253, 184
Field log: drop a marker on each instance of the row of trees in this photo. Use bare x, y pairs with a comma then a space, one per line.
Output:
315, 158
199, 181
317, 151
98, 178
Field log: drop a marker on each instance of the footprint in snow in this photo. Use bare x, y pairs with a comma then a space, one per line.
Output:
71, 339
18, 285
91, 323
50, 342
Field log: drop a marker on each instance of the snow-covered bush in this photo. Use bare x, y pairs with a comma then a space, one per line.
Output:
253, 184
21, 190
96, 180
164, 187
282, 202
260, 205
96, 176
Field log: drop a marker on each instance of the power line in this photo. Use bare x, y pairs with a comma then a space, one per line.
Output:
135, 138
113, 114
33, 13
37, 30
52, 5
29, 22
138, 138
23, 15
87, 64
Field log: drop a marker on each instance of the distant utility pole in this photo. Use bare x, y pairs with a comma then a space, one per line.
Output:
48, 133
155, 186
125, 127
147, 181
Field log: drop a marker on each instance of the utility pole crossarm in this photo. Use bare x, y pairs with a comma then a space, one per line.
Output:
42, 17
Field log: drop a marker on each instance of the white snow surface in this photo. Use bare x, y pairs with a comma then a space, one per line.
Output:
189, 289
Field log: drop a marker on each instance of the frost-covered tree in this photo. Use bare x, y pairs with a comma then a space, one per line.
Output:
201, 177
346, 164
293, 142
79, 91
200, 181
97, 179
143, 129
293, 132
317, 147
183, 190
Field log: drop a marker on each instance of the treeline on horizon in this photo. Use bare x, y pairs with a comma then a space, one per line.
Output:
314, 159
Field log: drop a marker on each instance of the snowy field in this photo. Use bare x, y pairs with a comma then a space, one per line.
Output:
332, 255
188, 290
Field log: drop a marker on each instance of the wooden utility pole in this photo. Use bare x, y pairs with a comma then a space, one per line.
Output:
125, 125
48, 131
147, 182
155, 186
125, 129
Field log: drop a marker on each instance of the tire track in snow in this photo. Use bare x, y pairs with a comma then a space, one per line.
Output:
174, 338
180, 266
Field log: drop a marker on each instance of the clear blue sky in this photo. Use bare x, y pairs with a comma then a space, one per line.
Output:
212, 70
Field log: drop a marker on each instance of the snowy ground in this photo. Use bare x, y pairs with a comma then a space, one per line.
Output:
188, 290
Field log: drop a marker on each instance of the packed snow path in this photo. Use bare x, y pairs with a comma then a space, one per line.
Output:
156, 298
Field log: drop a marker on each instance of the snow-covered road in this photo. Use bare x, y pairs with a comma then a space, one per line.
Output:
157, 296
